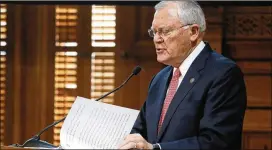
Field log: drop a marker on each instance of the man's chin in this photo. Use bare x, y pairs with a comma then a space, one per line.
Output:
162, 60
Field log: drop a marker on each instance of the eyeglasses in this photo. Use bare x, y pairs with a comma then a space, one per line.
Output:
163, 32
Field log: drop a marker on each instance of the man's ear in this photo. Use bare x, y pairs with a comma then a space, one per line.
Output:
194, 32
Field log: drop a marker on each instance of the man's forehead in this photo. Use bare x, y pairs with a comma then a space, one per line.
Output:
162, 21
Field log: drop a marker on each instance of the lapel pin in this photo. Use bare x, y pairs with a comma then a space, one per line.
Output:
192, 80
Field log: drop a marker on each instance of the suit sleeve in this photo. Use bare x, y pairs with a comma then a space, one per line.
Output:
222, 121
140, 123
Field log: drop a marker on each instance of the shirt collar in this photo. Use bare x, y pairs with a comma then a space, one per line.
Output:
185, 65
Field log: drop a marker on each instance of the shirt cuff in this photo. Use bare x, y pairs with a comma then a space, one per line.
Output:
159, 146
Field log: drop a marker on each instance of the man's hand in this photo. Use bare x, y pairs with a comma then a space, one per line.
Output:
135, 141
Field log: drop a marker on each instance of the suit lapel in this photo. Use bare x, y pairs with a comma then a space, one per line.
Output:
186, 85
162, 88
182, 91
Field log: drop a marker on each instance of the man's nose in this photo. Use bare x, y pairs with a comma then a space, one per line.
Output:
157, 38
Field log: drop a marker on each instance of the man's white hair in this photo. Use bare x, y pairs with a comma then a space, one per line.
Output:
189, 12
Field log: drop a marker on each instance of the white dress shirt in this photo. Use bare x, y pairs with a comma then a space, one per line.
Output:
184, 67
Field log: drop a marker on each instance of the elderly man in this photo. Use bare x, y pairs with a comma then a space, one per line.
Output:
198, 101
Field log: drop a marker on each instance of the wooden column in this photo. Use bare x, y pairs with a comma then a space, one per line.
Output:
30, 75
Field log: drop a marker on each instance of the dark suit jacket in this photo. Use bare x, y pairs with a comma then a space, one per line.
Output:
207, 110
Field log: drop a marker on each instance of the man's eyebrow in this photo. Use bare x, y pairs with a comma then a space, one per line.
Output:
161, 27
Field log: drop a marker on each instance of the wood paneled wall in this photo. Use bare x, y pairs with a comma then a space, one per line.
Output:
241, 33
30, 72
248, 41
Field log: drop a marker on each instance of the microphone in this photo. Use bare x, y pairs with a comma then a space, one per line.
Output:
135, 71
36, 142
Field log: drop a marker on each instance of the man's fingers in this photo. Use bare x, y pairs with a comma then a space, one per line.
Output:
125, 142
128, 139
129, 145
141, 145
133, 141
136, 137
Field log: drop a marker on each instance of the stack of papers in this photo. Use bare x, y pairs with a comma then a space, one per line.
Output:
96, 125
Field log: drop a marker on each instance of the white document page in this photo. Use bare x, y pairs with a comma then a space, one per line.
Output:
96, 125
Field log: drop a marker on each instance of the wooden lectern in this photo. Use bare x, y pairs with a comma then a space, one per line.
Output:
11, 148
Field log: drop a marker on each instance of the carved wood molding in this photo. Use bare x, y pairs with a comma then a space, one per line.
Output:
246, 24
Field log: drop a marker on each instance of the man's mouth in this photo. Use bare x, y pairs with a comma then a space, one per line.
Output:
160, 50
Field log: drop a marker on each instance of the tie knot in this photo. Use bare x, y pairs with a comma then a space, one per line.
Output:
177, 73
